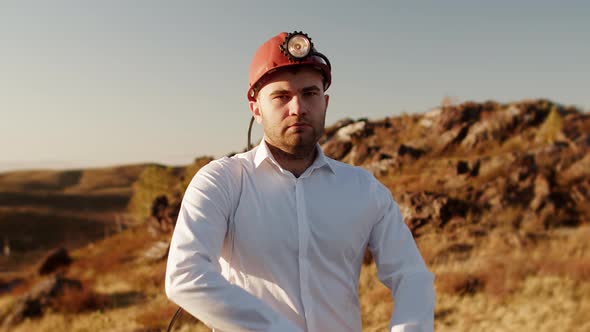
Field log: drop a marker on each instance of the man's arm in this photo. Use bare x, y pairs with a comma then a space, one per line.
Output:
402, 269
193, 273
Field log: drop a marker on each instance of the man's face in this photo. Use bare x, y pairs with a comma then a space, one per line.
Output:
292, 109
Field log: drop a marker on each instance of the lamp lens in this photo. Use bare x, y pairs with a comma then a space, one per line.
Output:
299, 46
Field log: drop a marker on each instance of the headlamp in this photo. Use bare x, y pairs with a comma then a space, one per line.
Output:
297, 46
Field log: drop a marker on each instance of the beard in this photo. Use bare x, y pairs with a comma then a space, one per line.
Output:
297, 137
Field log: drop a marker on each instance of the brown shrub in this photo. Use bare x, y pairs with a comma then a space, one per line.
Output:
504, 278
497, 279
459, 283
72, 300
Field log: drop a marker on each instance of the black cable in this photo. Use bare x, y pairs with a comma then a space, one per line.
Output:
249, 146
176, 315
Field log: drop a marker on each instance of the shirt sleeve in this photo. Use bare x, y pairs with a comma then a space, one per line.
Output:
401, 268
193, 273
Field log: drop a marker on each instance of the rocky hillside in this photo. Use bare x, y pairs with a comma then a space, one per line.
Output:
467, 165
497, 196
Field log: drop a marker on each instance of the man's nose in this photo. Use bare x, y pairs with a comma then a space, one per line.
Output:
297, 106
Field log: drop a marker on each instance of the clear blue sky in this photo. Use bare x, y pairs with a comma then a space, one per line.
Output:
95, 83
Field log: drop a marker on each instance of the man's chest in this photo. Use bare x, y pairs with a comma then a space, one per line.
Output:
303, 219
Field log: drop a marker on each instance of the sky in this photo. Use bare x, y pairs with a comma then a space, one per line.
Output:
102, 83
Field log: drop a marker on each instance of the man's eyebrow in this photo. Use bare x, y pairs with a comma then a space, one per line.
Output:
279, 92
312, 88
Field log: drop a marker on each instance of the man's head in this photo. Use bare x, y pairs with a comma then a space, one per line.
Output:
287, 95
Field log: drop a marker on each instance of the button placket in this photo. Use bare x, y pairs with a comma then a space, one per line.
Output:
303, 229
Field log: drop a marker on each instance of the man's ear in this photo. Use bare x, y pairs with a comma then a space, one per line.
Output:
327, 98
255, 109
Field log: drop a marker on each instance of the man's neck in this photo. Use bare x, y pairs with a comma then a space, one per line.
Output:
296, 162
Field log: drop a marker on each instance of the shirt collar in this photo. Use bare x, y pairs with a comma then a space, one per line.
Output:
263, 153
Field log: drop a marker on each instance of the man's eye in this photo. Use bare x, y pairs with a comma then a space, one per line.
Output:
311, 93
281, 97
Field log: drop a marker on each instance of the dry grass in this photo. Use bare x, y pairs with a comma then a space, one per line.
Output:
110, 254
506, 281
542, 304
375, 300
525, 283
157, 316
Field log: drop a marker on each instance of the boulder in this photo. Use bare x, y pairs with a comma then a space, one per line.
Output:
462, 167
437, 209
337, 149
331, 130
475, 168
410, 151
494, 126
359, 153
161, 220
347, 132
578, 170
157, 251
452, 116
451, 137
542, 190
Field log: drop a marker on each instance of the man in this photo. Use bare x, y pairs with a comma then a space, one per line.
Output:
273, 239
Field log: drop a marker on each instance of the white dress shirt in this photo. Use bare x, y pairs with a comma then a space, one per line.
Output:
257, 249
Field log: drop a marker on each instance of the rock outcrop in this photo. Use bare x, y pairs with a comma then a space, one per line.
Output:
523, 165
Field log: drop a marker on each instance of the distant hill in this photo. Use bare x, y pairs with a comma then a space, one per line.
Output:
497, 196
40, 210
95, 180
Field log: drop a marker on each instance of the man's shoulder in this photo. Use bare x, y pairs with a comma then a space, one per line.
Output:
346, 170
227, 165
360, 177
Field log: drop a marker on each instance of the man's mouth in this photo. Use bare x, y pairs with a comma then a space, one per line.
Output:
299, 125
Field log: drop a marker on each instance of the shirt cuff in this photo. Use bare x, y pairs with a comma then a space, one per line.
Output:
409, 327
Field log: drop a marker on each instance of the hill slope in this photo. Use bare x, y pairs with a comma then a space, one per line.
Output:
40, 210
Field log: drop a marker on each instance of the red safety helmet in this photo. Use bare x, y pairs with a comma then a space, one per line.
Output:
284, 50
